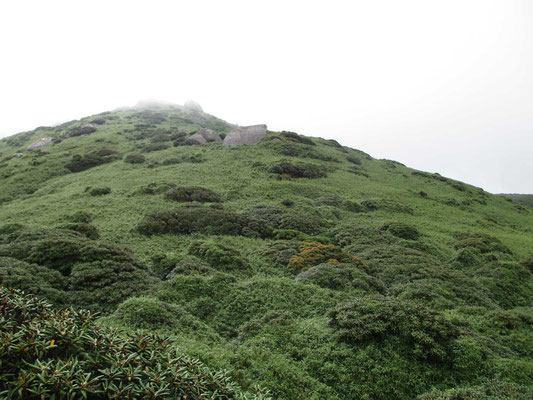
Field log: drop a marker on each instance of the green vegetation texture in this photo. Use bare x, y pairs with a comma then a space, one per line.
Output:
306, 269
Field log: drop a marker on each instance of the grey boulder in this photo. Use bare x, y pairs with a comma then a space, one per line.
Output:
245, 135
39, 143
209, 135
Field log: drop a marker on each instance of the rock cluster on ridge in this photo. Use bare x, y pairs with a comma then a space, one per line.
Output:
245, 135
204, 136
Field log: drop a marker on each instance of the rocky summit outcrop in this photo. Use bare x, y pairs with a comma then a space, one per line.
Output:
41, 142
204, 136
245, 135
193, 106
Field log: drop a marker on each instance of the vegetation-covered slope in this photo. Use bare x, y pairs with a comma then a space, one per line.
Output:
300, 265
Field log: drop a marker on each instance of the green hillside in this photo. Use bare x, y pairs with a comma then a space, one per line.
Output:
303, 267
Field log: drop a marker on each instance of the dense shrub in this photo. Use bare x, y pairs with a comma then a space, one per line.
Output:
402, 230
80, 163
98, 276
184, 158
483, 242
298, 170
87, 230
491, 390
312, 253
187, 220
425, 333
63, 354
190, 266
32, 278
81, 130
218, 256
303, 222
329, 200
134, 159
340, 276
302, 151
155, 147
297, 138
192, 193
81, 217
354, 160
270, 215
100, 191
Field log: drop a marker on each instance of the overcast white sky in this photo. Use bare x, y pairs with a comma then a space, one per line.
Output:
443, 86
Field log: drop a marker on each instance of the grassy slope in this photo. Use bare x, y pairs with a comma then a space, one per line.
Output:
43, 194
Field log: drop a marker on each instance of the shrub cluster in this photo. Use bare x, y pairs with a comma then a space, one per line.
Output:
81, 130
218, 256
184, 158
134, 159
155, 147
297, 138
62, 354
100, 191
340, 276
80, 163
88, 273
187, 220
313, 253
298, 170
401, 230
426, 333
184, 194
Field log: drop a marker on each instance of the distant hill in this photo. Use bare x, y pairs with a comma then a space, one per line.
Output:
526, 199
304, 267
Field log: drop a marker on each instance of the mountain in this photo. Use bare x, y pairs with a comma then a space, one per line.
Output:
526, 199
304, 267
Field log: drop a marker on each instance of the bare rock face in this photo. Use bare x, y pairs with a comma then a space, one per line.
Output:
193, 106
209, 135
39, 143
197, 139
245, 135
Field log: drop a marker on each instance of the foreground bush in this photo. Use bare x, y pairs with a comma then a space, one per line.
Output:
491, 390
82, 272
187, 220
62, 354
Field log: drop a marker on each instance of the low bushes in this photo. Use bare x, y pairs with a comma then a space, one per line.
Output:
490, 390
97, 276
81, 130
134, 159
292, 136
340, 276
426, 334
63, 354
218, 256
312, 253
298, 170
184, 158
100, 191
155, 147
193, 193
303, 222
84, 162
401, 230
187, 220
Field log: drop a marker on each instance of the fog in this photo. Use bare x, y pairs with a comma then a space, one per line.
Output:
441, 86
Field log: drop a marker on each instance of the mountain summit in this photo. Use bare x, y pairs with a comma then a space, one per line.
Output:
307, 269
